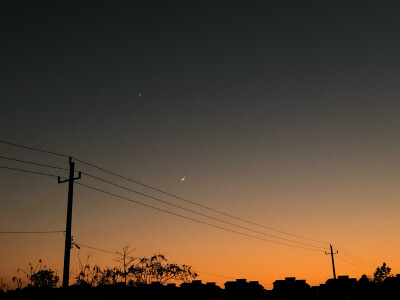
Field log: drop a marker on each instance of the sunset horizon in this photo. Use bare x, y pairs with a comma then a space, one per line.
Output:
223, 225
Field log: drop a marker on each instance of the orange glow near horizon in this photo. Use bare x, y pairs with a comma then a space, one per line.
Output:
262, 262
211, 250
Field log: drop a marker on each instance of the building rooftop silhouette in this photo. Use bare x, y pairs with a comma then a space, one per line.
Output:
343, 287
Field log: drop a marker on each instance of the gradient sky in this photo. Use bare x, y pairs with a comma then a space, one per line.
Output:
285, 113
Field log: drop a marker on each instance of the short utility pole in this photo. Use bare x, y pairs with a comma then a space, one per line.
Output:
68, 237
333, 261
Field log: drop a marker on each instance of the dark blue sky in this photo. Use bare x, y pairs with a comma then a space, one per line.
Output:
203, 67
216, 78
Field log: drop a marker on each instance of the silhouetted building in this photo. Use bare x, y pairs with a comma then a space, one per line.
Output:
200, 290
292, 289
244, 290
391, 287
341, 288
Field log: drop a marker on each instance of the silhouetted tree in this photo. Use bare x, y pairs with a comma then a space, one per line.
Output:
93, 276
382, 273
133, 271
87, 276
156, 269
39, 276
108, 276
126, 260
44, 278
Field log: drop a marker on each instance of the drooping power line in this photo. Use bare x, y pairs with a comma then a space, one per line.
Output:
197, 204
209, 274
33, 163
364, 268
169, 212
348, 254
163, 201
31, 232
34, 149
94, 248
166, 211
356, 258
166, 193
28, 171
192, 219
198, 213
154, 198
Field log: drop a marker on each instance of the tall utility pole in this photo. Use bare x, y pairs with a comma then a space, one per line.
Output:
333, 261
68, 238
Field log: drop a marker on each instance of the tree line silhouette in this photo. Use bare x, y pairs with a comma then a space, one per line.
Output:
130, 271
155, 278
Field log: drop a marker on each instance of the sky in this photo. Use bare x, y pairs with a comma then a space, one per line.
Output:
283, 113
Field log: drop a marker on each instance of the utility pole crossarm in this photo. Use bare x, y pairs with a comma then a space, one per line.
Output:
65, 180
333, 261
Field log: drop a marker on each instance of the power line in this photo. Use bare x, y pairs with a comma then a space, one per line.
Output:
194, 220
169, 194
156, 208
363, 261
204, 215
364, 268
29, 232
198, 213
215, 275
358, 260
28, 171
33, 163
34, 149
197, 204
94, 248
165, 193
185, 217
